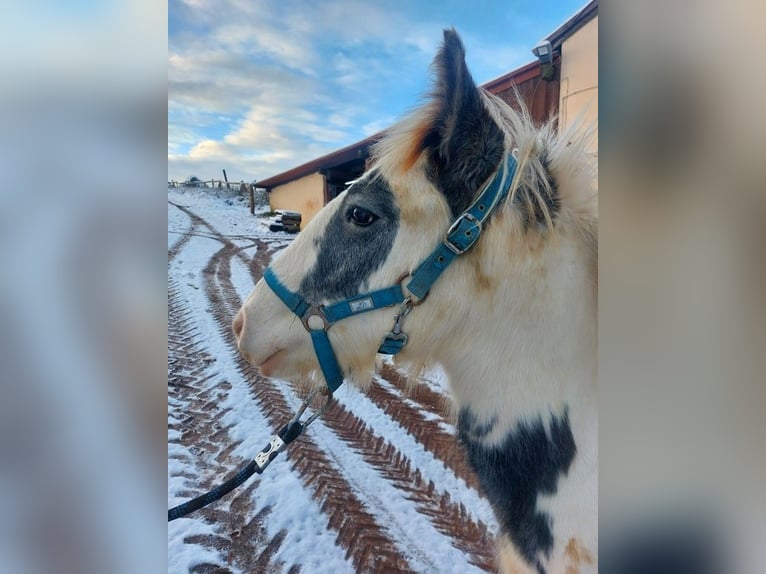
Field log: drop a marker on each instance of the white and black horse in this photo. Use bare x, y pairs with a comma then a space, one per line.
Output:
512, 321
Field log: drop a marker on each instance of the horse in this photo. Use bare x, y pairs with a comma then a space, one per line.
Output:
512, 321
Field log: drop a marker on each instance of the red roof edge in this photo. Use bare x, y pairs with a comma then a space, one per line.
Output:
342, 155
519, 75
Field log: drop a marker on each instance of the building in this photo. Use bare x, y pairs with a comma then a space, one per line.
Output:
576, 40
567, 86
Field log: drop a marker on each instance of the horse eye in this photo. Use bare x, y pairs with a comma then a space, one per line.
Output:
361, 216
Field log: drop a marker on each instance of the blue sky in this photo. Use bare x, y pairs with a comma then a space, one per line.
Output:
260, 86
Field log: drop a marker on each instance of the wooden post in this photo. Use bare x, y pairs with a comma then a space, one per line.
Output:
227, 179
252, 198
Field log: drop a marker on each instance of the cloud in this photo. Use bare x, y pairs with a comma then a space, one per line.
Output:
376, 126
181, 139
292, 80
210, 157
283, 48
231, 84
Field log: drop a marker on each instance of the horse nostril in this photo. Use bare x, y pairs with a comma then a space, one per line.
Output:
239, 323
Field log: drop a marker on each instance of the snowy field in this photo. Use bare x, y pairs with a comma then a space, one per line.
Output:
378, 484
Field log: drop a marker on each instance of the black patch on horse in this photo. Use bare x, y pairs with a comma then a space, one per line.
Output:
527, 463
347, 254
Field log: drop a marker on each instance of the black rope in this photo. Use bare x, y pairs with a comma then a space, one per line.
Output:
288, 434
214, 494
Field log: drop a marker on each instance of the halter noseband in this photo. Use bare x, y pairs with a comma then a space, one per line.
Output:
462, 234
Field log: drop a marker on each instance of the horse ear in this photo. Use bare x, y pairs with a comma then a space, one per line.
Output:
466, 145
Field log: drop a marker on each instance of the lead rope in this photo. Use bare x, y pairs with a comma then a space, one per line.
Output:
277, 444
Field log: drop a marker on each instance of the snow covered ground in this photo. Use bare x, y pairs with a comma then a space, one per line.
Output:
377, 484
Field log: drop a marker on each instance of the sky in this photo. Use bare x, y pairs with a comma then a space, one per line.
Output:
258, 87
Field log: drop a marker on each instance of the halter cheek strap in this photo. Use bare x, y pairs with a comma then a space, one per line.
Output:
464, 231
460, 237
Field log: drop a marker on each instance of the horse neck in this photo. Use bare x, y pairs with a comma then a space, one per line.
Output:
522, 345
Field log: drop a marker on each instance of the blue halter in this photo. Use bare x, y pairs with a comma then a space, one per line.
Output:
462, 234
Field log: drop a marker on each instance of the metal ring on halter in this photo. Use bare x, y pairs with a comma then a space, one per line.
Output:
414, 300
318, 312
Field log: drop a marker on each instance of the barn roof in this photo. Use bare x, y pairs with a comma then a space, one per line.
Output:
580, 18
354, 151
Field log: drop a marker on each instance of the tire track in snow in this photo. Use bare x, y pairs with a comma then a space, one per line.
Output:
194, 392
427, 432
431, 401
175, 249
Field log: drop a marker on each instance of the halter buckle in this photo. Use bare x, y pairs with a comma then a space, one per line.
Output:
463, 233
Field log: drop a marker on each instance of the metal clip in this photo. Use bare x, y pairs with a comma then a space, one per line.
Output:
404, 310
289, 432
315, 415
396, 332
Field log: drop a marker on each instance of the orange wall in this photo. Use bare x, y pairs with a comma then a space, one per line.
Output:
579, 78
305, 195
